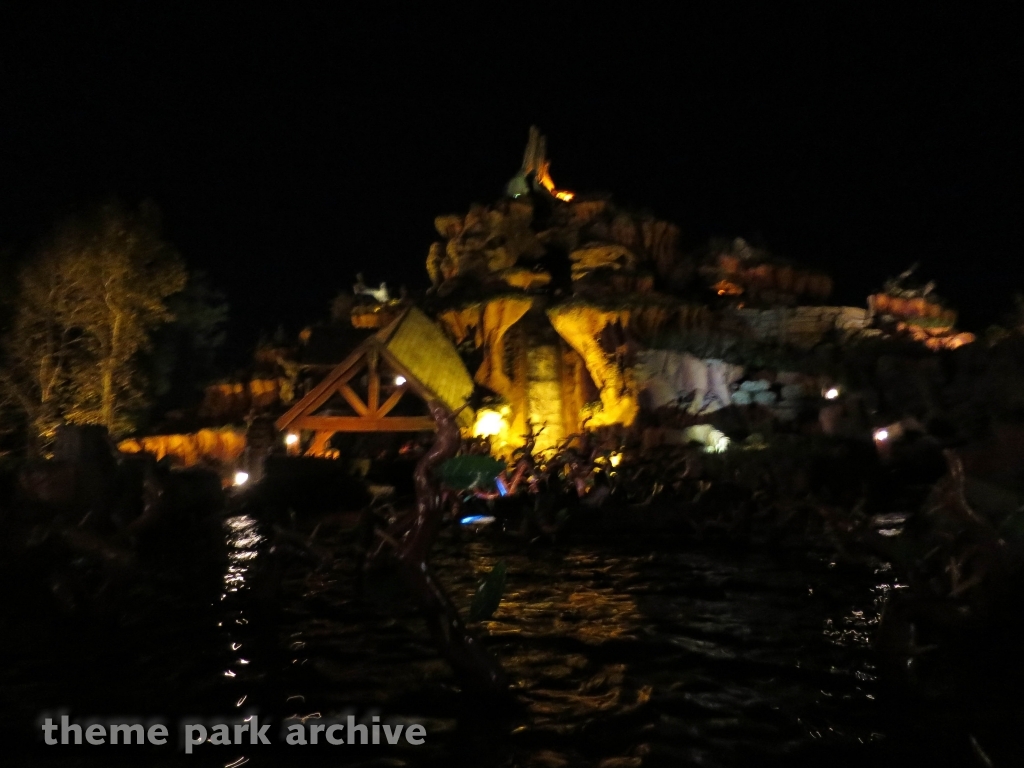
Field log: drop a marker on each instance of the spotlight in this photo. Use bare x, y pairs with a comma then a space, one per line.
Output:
881, 435
488, 422
241, 478
399, 380
291, 439
832, 393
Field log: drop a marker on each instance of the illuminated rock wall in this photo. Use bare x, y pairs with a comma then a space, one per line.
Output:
581, 326
232, 401
544, 395
801, 327
207, 446
487, 323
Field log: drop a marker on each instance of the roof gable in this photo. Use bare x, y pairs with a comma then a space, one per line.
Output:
425, 362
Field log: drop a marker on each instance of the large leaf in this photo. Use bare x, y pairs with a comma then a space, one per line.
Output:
488, 594
467, 472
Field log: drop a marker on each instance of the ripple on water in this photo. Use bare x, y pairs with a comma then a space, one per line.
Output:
618, 659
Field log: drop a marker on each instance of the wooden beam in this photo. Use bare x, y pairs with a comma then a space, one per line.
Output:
365, 424
392, 401
353, 399
319, 444
410, 379
373, 383
322, 392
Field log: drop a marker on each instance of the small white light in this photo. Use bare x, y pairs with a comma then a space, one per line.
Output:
241, 478
720, 445
399, 380
832, 394
291, 439
881, 435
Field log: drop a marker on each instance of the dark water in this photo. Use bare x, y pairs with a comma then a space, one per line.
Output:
621, 654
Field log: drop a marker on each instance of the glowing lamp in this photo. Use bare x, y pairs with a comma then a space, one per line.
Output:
399, 380
832, 393
881, 435
720, 444
488, 422
241, 478
291, 439
614, 459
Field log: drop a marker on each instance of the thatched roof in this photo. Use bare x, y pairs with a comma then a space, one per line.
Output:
414, 351
421, 347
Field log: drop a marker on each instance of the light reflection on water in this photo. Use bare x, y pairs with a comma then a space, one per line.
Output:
684, 656
243, 541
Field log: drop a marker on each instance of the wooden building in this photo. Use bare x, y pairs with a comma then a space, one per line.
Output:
384, 385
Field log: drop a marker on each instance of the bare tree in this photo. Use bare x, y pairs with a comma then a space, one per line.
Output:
87, 303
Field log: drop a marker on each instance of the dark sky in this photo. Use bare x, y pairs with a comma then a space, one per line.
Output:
291, 149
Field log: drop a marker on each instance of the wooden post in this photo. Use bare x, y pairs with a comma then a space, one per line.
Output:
519, 401
373, 383
319, 445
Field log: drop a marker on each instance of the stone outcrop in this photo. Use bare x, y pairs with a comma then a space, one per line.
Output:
599, 338
736, 269
207, 446
232, 401
800, 327
666, 377
502, 244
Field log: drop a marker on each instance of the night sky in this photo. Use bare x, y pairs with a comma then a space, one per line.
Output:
290, 149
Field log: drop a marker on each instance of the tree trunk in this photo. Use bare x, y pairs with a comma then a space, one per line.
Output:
107, 405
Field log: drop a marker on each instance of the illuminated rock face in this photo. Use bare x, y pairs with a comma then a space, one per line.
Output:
583, 327
232, 401
486, 324
801, 327
544, 395
666, 377
736, 269
207, 446
504, 243
484, 242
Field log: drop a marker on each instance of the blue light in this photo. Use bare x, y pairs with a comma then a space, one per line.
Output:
501, 486
474, 519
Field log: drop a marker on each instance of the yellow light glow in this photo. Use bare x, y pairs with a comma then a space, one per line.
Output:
614, 459
488, 422
291, 439
727, 288
544, 177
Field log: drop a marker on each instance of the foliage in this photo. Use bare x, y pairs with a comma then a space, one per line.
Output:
468, 472
87, 303
489, 593
184, 351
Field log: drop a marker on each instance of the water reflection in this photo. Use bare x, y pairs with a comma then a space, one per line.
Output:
243, 542
667, 658
684, 656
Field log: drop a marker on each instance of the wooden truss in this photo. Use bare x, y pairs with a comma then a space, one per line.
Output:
371, 415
